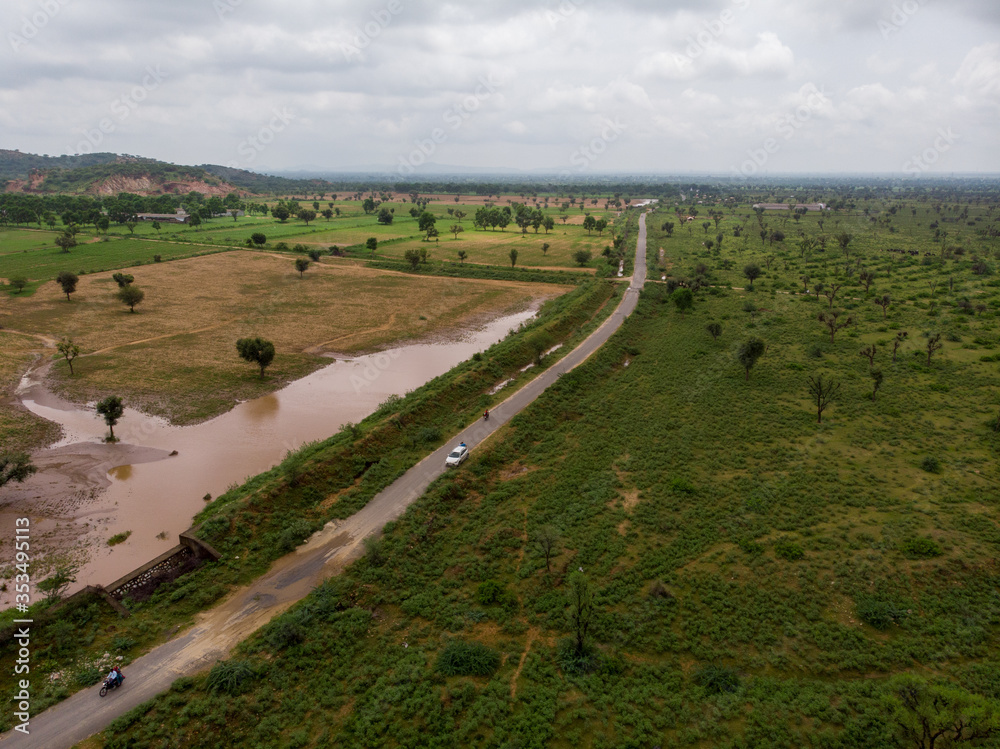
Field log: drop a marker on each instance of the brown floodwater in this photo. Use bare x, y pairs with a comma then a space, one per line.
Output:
157, 500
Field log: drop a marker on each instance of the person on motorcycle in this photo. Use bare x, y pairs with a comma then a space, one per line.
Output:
116, 676
486, 415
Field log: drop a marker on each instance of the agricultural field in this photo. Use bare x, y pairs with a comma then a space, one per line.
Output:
175, 355
670, 547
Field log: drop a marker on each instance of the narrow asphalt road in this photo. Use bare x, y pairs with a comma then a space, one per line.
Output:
292, 577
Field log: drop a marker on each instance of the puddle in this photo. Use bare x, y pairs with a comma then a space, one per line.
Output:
154, 498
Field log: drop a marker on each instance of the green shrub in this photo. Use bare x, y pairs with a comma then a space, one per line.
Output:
717, 679
931, 464
751, 547
294, 534
230, 677
467, 659
489, 592
283, 633
87, 676
575, 662
122, 643
921, 547
879, 614
788, 550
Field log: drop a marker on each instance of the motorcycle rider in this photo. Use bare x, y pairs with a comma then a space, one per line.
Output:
116, 677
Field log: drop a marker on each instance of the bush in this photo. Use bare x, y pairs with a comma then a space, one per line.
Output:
87, 676
576, 662
717, 679
283, 633
788, 550
751, 547
921, 548
230, 677
931, 464
489, 592
467, 659
879, 614
294, 534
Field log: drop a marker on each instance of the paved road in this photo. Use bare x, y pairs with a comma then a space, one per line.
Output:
294, 576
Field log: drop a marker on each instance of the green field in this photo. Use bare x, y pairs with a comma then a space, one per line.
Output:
757, 578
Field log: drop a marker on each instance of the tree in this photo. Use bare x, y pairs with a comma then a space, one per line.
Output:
714, 329
668, 227
193, 220
15, 467
831, 293
513, 258
883, 301
545, 248
56, 584
69, 351
589, 223
582, 257
462, 254
830, 320
68, 282
328, 214
600, 226
307, 215
683, 299
751, 309
371, 244
539, 342
256, 351
18, 283
866, 278
131, 295
548, 223
545, 541
749, 352
877, 377
929, 715
103, 224
869, 353
933, 344
66, 240
301, 264
752, 273
844, 240
259, 238
112, 409
456, 229
122, 279
581, 608
368, 205
900, 337
385, 216
823, 393
706, 225
281, 213
412, 257
426, 222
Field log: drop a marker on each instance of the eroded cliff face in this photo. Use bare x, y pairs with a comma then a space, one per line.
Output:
147, 185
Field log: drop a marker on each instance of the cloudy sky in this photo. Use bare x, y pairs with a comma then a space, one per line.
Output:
578, 86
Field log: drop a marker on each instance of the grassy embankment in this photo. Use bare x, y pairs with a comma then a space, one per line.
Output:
757, 577
269, 515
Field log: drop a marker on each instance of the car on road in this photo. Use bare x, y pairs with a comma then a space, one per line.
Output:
457, 456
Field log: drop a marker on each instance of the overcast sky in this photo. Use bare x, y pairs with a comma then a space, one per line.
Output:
578, 86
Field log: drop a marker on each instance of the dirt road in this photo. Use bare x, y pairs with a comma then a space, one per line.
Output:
294, 576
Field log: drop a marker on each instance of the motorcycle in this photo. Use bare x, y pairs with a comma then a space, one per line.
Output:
111, 683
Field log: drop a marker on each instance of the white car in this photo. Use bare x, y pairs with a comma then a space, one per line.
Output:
457, 456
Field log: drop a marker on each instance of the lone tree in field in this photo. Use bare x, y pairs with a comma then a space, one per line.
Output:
462, 254
822, 392
900, 337
412, 257
258, 238
869, 353
830, 319
15, 467
122, 279
581, 608
256, 351
877, 377
582, 257
130, 295
307, 215
749, 352
112, 409
456, 229
385, 215
933, 344
69, 351
18, 283
545, 541
683, 299
66, 240
714, 329
371, 244
752, 273
426, 224
883, 301
301, 264
545, 248
513, 258
68, 281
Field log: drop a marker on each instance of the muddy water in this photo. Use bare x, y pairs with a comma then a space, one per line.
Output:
156, 500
